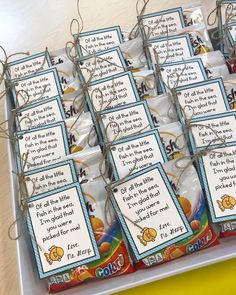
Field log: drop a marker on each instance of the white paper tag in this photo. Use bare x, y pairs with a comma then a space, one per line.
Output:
97, 40
148, 200
29, 65
104, 64
211, 129
162, 23
112, 92
136, 153
40, 114
50, 177
40, 86
228, 10
62, 233
218, 171
204, 98
43, 146
127, 120
177, 74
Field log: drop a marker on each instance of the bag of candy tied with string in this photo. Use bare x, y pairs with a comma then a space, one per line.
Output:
146, 84
74, 103
115, 259
181, 174
81, 132
230, 87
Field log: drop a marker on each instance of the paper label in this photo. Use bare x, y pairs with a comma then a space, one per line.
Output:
148, 200
63, 234
203, 98
125, 121
40, 114
42, 85
232, 32
156, 24
204, 131
171, 48
50, 177
218, 171
112, 92
136, 153
29, 65
43, 145
97, 40
103, 64
190, 71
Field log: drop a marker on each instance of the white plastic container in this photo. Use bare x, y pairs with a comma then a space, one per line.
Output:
30, 283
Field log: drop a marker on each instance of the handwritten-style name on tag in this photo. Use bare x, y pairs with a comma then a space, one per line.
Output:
216, 129
40, 114
98, 40
61, 231
126, 120
162, 23
181, 73
218, 173
203, 98
112, 92
136, 153
29, 65
40, 86
148, 200
42, 146
102, 64
50, 177
171, 48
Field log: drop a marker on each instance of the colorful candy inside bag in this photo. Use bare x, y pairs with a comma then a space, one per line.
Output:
114, 259
193, 204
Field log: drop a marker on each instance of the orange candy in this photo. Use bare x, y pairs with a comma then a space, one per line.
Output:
195, 225
186, 205
98, 227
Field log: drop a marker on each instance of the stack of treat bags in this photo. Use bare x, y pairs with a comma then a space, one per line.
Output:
130, 162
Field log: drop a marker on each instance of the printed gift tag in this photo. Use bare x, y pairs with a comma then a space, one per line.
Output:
156, 24
50, 177
203, 98
43, 145
218, 172
98, 40
124, 121
155, 217
61, 231
231, 30
171, 48
136, 153
112, 92
29, 65
40, 86
181, 73
209, 128
40, 114
102, 65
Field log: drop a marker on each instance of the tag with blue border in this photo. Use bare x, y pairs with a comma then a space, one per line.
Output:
98, 43
91, 62
184, 63
43, 145
40, 114
232, 29
193, 98
145, 148
167, 13
121, 121
50, 177
217, 170
29, 65
35, 88
149, 211
187, 49
61, 233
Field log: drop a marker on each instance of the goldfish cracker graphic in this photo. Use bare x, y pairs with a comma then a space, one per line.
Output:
55, 254
114, 257
191, 199
226, 202
148, 235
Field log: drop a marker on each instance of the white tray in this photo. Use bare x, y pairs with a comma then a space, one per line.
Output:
30, 283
